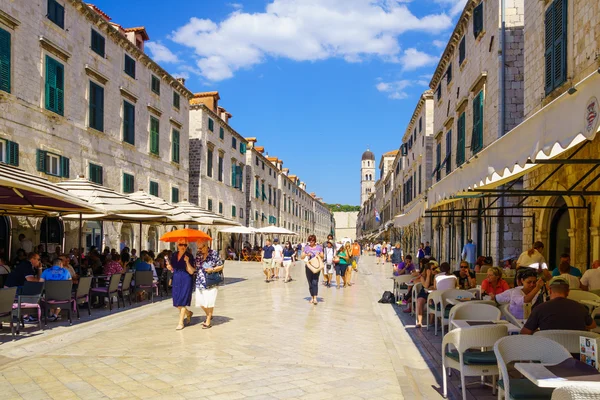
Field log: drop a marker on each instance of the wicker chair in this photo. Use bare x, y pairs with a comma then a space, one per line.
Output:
109, 291
525, 348
509, 316
568, 339
473, 312
82, 295
413, 301
576, 393
471, 363
7, 298
58, 293
434, 306
29, 299
452, 294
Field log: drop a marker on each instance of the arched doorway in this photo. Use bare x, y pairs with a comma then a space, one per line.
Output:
93, 235
51, 233
126, 236
152, 239
559, 235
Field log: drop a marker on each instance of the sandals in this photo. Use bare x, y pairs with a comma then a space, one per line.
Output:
204, 326
179, 327
188, 317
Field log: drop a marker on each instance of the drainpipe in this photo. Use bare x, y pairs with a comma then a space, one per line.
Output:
501, 114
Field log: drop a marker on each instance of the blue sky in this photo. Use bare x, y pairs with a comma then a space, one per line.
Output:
316, 81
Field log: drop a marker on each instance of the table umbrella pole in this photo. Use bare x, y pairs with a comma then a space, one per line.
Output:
140, 249
79, 249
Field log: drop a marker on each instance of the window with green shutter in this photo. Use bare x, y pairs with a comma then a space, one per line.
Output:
95, 173
128, 183
420, 179
264, 194
243, 148
52, 164
220, 169
96, 107
55, 85
449, 74
5, 46
438, 162
211, 125
257, 189
221, 133
176, 100
129, 66
98, 43
233, 175
175, 146
448, 160
11, 155
555, 23
477, 135
128, 122
462, 51
209, 205
154, 188
56, 13
233, 211
154, 138
478, 20
233, 143
155, 85
220, 208
209, 163
438, 92
174, 195
240, 177
460, 140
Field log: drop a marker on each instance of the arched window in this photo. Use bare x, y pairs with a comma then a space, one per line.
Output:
368, 163
366, 177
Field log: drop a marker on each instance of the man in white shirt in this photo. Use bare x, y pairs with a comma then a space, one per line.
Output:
591, 278
25, 244
277, 257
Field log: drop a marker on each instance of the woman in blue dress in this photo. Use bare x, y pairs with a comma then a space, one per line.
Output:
182, 282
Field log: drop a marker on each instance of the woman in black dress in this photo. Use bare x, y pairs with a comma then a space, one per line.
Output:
182, 282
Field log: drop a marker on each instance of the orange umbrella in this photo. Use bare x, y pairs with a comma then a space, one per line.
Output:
191, 235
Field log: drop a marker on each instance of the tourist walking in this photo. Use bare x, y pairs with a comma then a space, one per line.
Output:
182, 270
277, 258
329, 255
396, 258
341, 265
469, 253
267, 259
351, 265
313, 257
377, 249
289, 257
208, 267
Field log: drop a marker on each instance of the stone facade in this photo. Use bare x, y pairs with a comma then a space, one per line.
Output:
563, 229
36, 42
345, 224
367, 176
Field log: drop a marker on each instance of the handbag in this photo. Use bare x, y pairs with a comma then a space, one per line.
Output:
213, 279
336, 259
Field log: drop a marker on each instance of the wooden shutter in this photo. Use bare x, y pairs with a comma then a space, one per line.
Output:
176, 100
154, 138
448, 152
478, 20
41, 160
64, 167
12, 153
477, 135
98, 43
549, 49
233, 177
209, 163
460, 140
4, 60
240, 177
559, 43
462, 51
174, 195
96, 107
128, 183
175, 144
54, 86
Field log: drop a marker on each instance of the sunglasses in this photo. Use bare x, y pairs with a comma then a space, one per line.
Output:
464, 266
182, 244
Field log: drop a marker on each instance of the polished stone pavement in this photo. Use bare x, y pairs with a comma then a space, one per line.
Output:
267, 342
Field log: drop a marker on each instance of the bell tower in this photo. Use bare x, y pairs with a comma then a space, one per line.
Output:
367, 176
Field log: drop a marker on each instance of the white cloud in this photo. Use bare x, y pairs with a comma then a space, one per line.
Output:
182, 74
455, 6
160, 53
236, 6
303, 30
394, 89
413, 59
439, 43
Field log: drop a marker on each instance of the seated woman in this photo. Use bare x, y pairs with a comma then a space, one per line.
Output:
527, 292
426, 278
494, 284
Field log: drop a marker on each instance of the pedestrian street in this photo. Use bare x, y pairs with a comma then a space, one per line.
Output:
267, 342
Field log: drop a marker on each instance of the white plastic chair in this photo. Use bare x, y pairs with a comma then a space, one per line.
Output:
413, 306
576, 393
510, 316
596, 313
481, 363
449, 282
585, 298
452, 294
525, 348
473, 312
568, 339
435, 300
398, 281
480, 277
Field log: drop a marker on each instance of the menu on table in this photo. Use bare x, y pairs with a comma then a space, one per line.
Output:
589, 351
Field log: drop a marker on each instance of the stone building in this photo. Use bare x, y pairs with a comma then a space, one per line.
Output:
468, 96
217, 161
413, 166
79, 97
345, 224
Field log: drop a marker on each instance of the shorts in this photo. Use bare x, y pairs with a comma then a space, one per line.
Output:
377, 254
329, 268
340, 269
356, 258
422, 294
277, 262
287, 262
267, 263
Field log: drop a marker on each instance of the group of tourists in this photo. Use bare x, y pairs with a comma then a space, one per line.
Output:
332, 258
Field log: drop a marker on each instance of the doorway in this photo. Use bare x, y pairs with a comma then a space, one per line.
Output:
51, 233
559, 235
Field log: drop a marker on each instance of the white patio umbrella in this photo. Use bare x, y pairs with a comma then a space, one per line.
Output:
276, 230
207, 217
238, 229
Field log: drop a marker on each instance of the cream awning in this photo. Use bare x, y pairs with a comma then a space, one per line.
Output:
410, 216
562, 124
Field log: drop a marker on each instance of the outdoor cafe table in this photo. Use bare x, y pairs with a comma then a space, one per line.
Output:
461, 323
568, 372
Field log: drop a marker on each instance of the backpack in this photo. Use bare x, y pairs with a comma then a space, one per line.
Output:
387, 298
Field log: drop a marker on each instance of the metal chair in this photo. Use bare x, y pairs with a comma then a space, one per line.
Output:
109, 291
7, 299
525, 348
125, 287
144, 282
29, 299
58, 293
471, 363
82, 294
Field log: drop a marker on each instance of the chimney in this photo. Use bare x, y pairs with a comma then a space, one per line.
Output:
209, 99
224, 114
260, 149
251, 142
181, 80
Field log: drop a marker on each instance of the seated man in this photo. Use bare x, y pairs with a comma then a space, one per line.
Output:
591, 277
466, 277
56, 273
29, 269
559, 312
565, 269
565, 257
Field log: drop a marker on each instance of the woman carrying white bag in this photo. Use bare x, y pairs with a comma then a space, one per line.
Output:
208, 267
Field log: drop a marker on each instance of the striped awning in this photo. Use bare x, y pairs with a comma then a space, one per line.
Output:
22, 193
